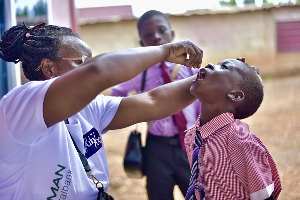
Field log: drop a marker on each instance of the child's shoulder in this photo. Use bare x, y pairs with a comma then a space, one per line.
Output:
240, 128
241, 134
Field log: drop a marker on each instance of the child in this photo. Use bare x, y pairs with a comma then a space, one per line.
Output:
166, 162
227, 161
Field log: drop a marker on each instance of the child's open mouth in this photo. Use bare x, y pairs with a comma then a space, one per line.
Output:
201, 74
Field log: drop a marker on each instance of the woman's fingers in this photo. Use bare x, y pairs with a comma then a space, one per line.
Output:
195, 59
185, 52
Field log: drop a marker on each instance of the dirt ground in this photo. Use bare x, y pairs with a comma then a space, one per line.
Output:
276, 123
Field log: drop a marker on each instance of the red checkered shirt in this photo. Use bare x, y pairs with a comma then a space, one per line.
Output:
233, 163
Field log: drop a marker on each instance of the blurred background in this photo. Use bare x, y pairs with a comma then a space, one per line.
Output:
265, 32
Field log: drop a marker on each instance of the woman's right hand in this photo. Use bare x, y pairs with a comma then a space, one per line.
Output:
184, 52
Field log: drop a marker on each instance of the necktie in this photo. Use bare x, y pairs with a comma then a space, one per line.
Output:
178, 118
193, 185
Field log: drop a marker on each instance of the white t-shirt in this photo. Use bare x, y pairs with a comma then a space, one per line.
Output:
37, 162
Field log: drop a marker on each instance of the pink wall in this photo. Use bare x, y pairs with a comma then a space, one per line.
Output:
63, 13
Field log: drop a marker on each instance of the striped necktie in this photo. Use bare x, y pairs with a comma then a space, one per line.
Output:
193, 185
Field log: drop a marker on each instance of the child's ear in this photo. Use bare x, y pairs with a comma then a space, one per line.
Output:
236, 95
173, 35
256, 69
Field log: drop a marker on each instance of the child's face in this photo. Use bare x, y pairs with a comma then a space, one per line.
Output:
155, 31
214, 82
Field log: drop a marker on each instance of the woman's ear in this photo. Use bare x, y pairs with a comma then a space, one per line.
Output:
47, 68
236, 95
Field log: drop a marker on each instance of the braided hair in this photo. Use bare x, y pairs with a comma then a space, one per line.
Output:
31, 45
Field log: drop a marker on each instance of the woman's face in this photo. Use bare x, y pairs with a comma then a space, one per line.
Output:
72, 53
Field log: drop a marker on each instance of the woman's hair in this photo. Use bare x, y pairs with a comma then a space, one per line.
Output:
252, 87
31, 45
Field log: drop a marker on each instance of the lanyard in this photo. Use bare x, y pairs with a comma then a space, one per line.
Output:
86, 164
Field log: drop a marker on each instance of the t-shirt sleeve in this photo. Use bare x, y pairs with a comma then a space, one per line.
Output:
23, 111
250, 162
104, 109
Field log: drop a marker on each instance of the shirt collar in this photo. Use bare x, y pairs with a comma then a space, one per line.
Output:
213, 125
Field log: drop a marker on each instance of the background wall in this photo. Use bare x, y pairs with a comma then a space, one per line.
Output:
228, 33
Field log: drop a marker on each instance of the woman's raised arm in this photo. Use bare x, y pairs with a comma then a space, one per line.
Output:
72, 91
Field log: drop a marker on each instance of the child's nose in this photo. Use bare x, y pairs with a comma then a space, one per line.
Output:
157, 36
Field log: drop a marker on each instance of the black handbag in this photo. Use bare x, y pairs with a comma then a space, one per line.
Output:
133, 159
103, 195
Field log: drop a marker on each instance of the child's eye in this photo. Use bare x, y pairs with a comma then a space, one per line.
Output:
147, 35
162, 30
224, 66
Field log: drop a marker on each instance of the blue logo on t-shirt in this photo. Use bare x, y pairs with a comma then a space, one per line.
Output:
92, 142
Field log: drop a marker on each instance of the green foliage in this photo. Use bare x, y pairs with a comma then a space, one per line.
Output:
22, 12
249, 1
231, 3
25, 13
19, 12
40, 8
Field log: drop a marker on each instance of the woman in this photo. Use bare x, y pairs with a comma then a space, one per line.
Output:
40, 119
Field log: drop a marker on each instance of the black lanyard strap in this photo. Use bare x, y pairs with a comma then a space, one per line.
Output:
82, 157
86, 165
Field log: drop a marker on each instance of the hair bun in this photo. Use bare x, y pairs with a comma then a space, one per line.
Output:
11, 44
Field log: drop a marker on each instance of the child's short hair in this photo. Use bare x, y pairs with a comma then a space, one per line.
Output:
148, 15
252, 87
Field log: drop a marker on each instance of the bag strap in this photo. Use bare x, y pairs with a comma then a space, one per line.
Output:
143, 81
82, 157
86, 165
175, 72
